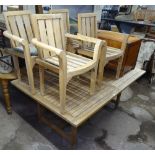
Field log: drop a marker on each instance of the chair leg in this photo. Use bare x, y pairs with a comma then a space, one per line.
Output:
29, 69
42, 80
100, 72
31, 79
17, 68
101, 65
93, 80
62, 93
119, 66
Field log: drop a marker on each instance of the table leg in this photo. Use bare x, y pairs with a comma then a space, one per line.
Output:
6, 95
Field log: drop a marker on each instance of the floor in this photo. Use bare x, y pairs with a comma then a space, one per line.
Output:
131, 126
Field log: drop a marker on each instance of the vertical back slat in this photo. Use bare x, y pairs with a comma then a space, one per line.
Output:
83, 26
63, 31
83, 29
28, 27
13, 27
50, 33
88, 27
21, 27
92, 29
65, 14
95, 26
43, 36
88, 33
57, 33
92, 22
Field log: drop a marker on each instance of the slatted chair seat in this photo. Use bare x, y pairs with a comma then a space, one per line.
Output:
73, 61
111, 53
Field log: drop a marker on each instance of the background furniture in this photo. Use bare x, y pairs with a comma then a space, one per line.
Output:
146, 58
130, 54
144, 15
5, 78
128, 26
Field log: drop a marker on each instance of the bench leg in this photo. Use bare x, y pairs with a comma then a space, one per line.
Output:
6, 95
93, 80
114, 103
71, 137
119, 66
117, 101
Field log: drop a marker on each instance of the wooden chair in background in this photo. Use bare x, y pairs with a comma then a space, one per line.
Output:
20, 33
87, 25
65, 14
53, 55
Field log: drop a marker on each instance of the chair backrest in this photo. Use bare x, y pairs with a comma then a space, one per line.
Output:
49, 29
19, 23
65, 14
114, 39
87, 24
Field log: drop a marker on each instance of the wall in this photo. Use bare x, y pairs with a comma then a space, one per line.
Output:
74, 9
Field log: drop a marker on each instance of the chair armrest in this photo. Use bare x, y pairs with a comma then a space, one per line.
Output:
82, 38
54, 50
104, 34
15, 38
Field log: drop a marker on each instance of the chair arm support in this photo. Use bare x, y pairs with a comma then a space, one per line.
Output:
15, 38
54, 50
82, 38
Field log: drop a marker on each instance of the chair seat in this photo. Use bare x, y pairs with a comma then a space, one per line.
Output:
113, 53
33, 50
73, 61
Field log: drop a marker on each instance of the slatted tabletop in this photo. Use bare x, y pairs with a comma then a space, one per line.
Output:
80, 106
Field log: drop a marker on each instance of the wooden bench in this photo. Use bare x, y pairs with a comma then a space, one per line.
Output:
80, 106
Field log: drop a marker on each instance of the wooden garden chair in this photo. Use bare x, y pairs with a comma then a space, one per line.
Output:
20, 33
53, 55
87, 25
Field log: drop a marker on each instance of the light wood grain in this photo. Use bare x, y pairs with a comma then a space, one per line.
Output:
80, 106
65, 14
87, 25
60, 61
